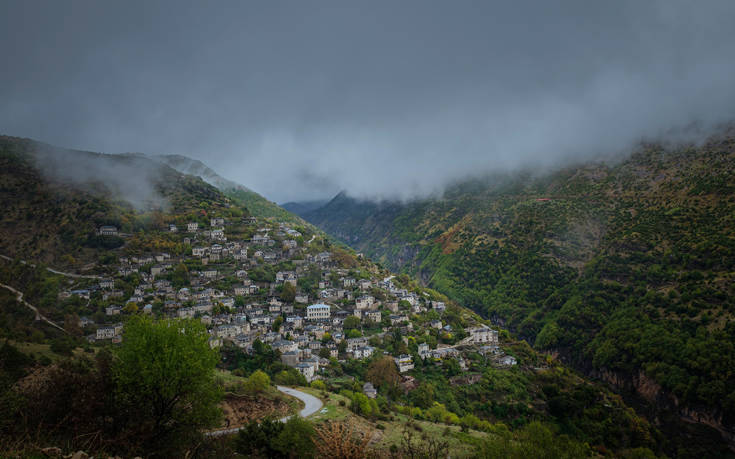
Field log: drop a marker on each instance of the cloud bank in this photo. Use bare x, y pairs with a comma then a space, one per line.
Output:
298, 100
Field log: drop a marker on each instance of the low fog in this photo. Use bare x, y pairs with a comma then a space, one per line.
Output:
298, 100
127, 178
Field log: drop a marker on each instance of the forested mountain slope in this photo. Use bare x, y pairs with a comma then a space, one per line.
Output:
257, 204
54, 201
626, 270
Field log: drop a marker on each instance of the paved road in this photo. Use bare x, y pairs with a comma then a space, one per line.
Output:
311, 403
75, 276
311, 406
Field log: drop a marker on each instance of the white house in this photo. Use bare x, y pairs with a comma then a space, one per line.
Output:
317, 312
484, 335
424, 350
363, 352
108, 231
107, 283
105, 332
374, 316
364, 302
404, 363
306, 370
369, 390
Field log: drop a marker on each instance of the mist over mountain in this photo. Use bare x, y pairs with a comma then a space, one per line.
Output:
133, 179
194, 167
303, 207
383, 100
624, 270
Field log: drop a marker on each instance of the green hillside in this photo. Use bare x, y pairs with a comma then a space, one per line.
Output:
53, 215
257, 204
55, 200
625, 270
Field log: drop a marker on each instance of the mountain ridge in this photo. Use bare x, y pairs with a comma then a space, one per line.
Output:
256, 203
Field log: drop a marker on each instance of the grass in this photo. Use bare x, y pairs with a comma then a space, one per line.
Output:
460, 444
44, 350
334, 412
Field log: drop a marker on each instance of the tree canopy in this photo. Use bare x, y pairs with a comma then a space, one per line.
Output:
164, 376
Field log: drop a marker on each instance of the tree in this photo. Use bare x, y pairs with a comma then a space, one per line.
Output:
290, 377
164, 377
274, 439
288, 294
383, 373
257, 382
353, 333
256, 437
180, 276
423, 396
350, 323
296, 439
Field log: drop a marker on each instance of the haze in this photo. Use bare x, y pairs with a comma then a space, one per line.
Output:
298, 100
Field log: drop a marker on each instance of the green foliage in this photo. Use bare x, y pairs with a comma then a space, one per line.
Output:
290, 377
288, 294
362, 405
261, 207
351, 322
257, 382
274, 439
535, 440
623, 268
164, 374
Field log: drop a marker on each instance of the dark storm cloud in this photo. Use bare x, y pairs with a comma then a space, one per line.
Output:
384, 99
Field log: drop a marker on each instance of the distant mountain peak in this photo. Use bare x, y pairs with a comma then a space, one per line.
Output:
191, 166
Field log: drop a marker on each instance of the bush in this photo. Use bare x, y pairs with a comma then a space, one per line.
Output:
257, 382
274, 439
318, 384
290, 377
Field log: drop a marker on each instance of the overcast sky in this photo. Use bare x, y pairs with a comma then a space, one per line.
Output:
298, 100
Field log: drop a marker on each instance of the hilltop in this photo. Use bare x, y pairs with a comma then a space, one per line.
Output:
257, 204
624, 270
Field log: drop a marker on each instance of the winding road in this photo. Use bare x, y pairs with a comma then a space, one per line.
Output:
62, 273
311, 406
311, 403
39, 316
